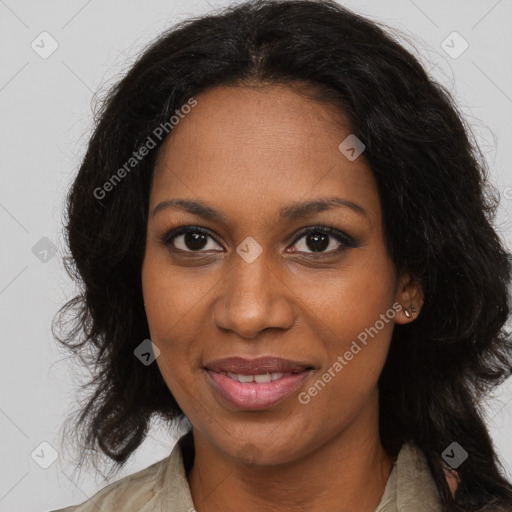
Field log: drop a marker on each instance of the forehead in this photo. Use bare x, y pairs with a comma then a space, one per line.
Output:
259, 148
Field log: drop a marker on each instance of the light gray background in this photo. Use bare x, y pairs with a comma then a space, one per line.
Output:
45, 112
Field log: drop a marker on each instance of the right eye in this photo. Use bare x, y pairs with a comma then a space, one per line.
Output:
191, 239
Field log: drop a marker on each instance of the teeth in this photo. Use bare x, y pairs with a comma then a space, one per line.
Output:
263, 378
260, 379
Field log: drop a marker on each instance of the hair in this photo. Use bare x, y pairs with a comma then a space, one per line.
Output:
438, 209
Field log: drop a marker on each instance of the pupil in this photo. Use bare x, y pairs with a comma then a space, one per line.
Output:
195, 241
317, 245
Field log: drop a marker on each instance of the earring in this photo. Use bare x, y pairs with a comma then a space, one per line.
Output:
406, 310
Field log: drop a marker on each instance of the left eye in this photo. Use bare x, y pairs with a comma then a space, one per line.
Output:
320, 241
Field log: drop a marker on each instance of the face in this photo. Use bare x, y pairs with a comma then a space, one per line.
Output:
239, 268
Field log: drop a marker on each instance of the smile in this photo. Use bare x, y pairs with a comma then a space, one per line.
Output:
255, 392
260, 379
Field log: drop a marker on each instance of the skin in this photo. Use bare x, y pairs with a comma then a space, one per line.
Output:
248, 152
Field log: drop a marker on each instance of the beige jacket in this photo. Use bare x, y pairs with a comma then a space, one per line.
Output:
163, 487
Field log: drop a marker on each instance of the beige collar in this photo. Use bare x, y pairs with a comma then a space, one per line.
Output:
410, 486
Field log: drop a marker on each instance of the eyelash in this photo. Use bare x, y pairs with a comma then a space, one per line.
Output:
346, 241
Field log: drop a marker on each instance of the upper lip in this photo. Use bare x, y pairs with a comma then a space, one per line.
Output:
261, 365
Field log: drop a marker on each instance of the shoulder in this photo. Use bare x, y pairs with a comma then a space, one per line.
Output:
132, 493
160, 486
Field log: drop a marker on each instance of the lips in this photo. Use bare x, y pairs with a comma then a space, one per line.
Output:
256, 384
259, 366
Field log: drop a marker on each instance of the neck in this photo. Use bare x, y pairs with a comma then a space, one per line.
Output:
348, 472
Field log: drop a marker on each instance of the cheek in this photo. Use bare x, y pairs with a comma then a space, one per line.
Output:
349, 299
173, 298
368, 287
343, 386
171, 309
357, 321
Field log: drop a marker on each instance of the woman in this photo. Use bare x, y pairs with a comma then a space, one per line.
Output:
295, 214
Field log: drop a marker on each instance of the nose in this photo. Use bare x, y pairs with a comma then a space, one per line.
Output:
253, 297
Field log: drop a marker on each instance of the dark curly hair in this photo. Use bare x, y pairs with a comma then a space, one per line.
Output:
438, 209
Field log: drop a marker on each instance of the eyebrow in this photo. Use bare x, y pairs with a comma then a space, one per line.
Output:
291, 212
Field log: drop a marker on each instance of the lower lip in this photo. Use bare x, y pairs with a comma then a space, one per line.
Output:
254, 396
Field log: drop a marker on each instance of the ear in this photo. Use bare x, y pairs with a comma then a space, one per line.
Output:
410, 296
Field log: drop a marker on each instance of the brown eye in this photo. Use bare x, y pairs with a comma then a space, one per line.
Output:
323, 240
317, 242
190, 239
